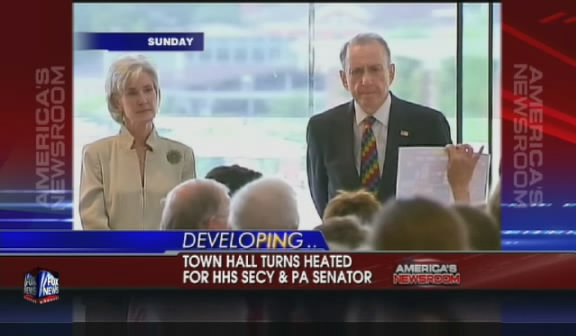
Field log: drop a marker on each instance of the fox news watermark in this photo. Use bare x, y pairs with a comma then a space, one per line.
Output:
528, 154
426, 274
41, 286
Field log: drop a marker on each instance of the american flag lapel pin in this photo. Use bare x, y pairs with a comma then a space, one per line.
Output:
404, 133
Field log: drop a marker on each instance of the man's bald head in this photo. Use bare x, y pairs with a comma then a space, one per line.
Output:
198, 204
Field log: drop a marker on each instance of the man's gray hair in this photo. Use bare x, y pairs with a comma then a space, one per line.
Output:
265, 204
193, 203
363, 38
120, 72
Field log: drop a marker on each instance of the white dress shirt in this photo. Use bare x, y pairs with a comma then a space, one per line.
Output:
111, 191
380, 129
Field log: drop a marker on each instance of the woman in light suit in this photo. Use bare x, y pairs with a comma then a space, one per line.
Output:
125, 177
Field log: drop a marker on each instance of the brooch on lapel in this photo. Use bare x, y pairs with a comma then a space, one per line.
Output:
174, 156
404, 133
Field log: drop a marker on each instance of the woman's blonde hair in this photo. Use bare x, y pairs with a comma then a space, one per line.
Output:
346, 233
120, 72
361, 203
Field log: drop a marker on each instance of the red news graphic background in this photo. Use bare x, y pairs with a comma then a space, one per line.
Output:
478, 271
542, 35
35, 34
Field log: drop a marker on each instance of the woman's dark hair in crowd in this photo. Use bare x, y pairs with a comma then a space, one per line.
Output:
234, 177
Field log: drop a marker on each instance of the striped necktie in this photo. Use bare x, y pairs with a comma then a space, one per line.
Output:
369, 167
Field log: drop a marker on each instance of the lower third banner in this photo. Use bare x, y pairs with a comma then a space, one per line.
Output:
212, 270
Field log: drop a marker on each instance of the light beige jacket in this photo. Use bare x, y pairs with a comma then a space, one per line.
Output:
111, 192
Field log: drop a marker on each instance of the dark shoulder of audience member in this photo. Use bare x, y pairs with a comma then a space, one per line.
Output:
234, 177
419, 224
343, 232
483, 231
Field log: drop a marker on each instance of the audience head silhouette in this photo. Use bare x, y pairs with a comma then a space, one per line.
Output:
484, 234
419, 224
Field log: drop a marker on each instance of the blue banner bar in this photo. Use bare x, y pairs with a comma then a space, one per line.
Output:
156, 242
140, 41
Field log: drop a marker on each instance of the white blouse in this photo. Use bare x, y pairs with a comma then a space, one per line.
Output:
111, 192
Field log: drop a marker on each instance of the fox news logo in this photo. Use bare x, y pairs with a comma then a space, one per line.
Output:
41, 286
426, 274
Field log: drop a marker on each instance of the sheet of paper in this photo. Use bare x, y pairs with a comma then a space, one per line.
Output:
422, 172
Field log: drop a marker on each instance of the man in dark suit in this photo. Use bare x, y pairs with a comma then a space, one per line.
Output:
355, 145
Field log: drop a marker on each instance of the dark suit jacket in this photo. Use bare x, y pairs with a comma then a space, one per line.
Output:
330, 158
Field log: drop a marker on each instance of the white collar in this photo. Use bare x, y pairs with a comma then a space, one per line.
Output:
127, 139
382, 114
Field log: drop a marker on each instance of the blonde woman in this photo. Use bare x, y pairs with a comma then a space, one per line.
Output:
125, 177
